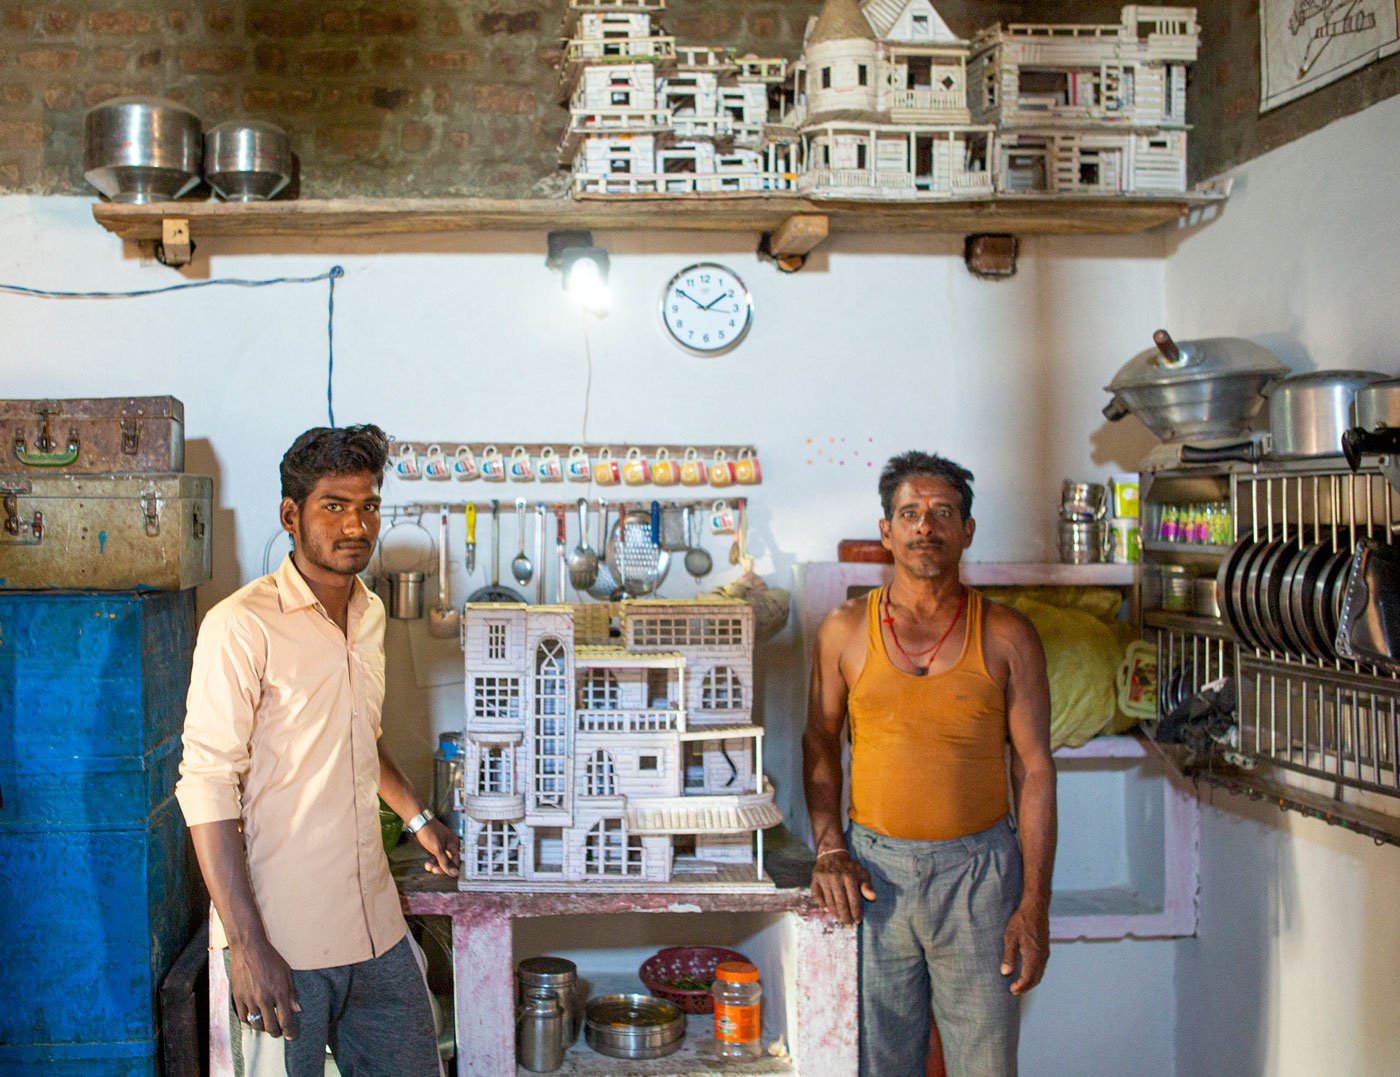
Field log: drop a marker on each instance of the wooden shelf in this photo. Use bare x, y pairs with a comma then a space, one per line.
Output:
1018, 214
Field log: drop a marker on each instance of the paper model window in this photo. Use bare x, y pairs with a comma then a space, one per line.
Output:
863, 74
687, 632
498, 850
826, 78
648, 764
922, 28
551, 747
496, 697
493, 773
721, 690
599, 691
610, 850
601, 775
496, 641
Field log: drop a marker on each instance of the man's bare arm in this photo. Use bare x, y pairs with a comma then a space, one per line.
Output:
1027, 941
259, 979
444, 850
838, 882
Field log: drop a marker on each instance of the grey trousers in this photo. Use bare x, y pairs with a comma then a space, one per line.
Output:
376, 1016
931, 942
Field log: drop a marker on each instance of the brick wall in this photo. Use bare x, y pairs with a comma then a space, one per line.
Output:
390, 99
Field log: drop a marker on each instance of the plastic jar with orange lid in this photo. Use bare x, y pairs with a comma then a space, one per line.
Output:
738, 1010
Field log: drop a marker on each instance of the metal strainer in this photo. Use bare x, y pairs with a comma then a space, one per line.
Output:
634, 556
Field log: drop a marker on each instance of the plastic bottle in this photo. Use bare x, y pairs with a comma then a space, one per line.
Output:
738, 1010
1167, 530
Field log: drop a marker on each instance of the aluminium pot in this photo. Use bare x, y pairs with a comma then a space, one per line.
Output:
1308, 413
1206, 389
142, 149
1378, 405
247, 162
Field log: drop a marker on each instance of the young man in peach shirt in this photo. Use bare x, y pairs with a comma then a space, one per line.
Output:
280, 780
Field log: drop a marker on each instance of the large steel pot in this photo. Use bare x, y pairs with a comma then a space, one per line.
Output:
1209, 388
141, 149
247, 162
1378, 405
1308, 413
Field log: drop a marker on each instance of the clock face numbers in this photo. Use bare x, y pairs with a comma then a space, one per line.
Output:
706, 309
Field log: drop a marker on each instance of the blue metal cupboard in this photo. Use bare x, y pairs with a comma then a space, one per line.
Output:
98, 887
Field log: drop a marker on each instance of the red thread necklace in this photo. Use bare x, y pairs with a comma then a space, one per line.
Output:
932, 652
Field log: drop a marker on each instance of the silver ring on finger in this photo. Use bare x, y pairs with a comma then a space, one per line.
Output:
254, 1017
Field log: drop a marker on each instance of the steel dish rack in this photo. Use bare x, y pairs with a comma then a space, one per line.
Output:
1318, 730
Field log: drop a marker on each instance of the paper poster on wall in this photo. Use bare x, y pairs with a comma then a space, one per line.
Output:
1305, 44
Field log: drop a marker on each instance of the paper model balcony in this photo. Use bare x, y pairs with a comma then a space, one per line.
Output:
619, 50
703, 814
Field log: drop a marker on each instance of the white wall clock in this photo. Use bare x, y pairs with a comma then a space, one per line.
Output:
706, 309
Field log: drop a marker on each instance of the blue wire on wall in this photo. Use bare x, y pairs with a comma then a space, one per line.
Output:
331, 276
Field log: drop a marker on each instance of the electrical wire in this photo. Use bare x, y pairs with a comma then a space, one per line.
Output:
331, 276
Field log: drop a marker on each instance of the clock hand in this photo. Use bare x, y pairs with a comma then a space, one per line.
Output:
711, 304
692, 299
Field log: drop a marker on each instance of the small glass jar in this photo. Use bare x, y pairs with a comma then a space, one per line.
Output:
738, 1010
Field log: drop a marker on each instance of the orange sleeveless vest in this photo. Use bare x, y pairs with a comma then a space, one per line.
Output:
928, 753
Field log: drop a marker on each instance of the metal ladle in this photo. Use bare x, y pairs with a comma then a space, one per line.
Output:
697, 559
583, 562
521, 567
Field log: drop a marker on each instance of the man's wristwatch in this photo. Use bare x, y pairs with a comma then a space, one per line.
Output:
419, 821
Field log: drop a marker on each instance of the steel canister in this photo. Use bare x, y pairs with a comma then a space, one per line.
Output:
559, 975
1081, 542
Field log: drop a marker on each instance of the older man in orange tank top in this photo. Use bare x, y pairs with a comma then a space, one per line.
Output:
951, 891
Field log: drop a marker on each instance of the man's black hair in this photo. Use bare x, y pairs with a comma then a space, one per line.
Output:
333, 450
915, 464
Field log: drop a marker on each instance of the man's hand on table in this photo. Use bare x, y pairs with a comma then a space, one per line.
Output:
444, 850
263, 994
1027, 937
839, 884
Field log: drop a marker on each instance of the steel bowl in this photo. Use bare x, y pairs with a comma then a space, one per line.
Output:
634, 1026
1209, 388
141, 149
247, 162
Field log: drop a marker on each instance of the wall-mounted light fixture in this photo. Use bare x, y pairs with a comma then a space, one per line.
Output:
585, 268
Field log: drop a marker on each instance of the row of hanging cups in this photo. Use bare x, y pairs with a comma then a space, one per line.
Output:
634, 468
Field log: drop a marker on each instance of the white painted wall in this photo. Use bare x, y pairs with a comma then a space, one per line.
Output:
1293, 970
880, 344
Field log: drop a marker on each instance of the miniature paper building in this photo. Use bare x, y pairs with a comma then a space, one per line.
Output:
628, 764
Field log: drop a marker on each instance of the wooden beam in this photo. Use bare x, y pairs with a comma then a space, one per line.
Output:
799, 235
1017, 214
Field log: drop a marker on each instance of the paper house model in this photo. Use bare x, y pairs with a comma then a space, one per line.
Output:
880, 106
648, 116
630, 763
1087, 109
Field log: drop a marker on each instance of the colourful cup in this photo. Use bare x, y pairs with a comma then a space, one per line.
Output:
635, 469
721, 469
576, 467
435, 465
692, 469
519, 467
605, 469
664, 470
549, 468
746, 469
406, 466
493, 464
464, 465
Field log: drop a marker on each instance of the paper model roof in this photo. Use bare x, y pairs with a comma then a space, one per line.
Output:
841, 20
621, 658
883, 14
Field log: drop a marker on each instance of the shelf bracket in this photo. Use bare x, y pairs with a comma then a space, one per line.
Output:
794, 239
174, 248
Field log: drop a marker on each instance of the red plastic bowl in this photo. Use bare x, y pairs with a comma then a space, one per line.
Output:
685, 963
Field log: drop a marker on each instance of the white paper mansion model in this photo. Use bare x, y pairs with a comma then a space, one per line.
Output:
884, 103
631, 765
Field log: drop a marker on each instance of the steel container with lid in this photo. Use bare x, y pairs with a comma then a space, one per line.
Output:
1208, 388
248, 161
634, 1026
559, 975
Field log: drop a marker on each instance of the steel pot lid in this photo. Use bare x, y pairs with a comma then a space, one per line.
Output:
1173, 362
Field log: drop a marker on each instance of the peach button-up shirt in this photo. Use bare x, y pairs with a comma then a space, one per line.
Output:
281, 732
